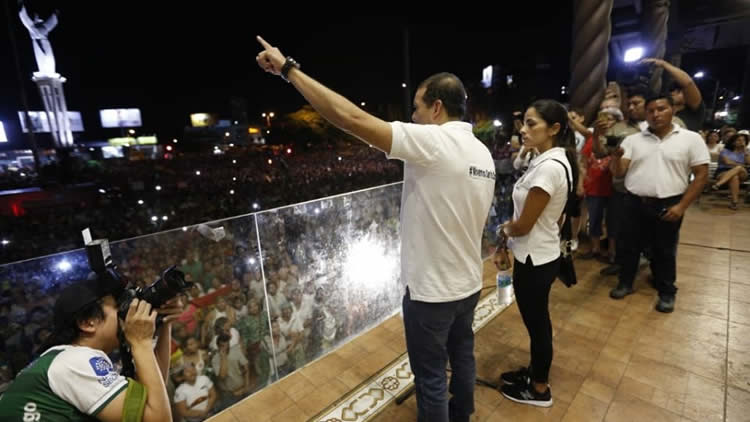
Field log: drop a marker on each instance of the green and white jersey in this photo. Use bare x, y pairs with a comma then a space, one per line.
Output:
66, 383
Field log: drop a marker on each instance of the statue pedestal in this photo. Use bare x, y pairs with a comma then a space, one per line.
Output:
51, 89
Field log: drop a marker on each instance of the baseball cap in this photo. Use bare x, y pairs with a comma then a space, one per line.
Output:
77, 296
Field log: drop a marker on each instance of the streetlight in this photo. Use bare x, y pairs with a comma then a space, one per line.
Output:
699, 74
268, 117
362, 103
497, 123
633, 54
403, 85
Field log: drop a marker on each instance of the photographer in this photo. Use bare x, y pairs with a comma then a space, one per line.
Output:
598, 184
687, 98
75, 380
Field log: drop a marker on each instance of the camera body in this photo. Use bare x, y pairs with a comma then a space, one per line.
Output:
613, 141
635, 74
171, 283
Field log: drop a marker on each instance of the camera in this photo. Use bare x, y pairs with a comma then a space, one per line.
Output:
635, 74
613, 141
171, 283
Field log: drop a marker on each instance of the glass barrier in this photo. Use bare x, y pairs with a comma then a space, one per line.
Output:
272, 292
332, 271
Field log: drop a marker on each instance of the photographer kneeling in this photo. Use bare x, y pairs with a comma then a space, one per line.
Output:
75, 380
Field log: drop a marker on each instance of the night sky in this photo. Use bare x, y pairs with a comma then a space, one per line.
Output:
172, 63
118, 55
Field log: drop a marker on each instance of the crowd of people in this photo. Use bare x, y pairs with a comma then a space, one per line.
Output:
142, 197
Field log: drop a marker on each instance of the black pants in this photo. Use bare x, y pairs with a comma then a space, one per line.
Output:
532, 285
644, 228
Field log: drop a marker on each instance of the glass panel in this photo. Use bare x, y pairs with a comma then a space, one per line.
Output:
332, 271
222, 258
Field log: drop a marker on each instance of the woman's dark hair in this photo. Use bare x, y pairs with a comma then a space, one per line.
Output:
553, 112
447, 88
731, 143
68, 332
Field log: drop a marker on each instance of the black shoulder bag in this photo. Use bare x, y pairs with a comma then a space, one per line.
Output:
567, 273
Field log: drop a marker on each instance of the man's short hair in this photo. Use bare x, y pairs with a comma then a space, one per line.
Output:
638, 91
447, 88
660, 96
219, 323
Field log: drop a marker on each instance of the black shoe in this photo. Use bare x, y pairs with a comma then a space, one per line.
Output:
515, 377
611, 270
620, 291
526, 394
666, 304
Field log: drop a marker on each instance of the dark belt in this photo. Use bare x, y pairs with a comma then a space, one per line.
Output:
658, 201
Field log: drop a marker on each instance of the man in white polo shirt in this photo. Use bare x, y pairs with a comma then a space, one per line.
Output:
449, 180
657, 163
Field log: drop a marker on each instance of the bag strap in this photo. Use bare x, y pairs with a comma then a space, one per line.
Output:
567, 231
567, 175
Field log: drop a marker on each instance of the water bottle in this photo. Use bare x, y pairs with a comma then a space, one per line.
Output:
504, 280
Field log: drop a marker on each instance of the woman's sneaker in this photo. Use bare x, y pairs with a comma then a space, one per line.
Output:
515, 377
526, 394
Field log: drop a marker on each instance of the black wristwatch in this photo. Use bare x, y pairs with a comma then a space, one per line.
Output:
288, 64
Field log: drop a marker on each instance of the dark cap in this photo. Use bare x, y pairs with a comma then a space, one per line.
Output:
75, 297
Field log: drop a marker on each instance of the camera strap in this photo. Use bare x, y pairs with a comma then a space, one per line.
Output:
135, 401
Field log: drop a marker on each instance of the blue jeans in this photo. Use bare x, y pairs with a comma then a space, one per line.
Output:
596, 206
435, 334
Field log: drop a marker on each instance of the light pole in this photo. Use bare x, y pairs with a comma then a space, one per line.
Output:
268, 117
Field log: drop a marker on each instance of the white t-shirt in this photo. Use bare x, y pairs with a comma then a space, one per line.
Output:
542, 243
660, 168
84, 377
236, 361
449, 182
190, 393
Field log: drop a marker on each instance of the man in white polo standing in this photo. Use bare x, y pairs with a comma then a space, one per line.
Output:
449, 180
656, 164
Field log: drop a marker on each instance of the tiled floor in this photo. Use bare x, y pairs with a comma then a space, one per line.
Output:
614, 360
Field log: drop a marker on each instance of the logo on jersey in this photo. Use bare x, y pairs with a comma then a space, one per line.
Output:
101, 366
103, 370
477, 173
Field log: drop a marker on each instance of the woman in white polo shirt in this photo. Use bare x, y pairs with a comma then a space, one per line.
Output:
539, 199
